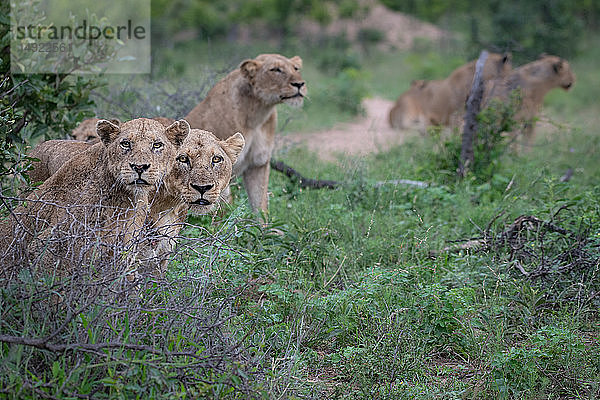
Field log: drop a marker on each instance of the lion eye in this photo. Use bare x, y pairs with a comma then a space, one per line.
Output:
217, 159
157, 145
183, 159
276, 69
296, 68
126, 144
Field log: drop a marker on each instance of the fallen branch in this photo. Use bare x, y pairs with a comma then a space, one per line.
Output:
397, 182
294, 175
302, 181
508, 236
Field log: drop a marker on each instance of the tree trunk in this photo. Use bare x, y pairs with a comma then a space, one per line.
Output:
473, 108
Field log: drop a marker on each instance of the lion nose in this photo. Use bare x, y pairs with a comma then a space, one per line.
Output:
139, 168
298, 84
202, 188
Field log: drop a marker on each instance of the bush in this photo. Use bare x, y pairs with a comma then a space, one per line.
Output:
34, 107
551, 358
491, 142
348, 89
530, 29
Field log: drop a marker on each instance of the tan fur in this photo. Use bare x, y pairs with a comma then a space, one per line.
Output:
86, 130
52, 154
434, 102
179, 193
534, 80
100, 195
244, 101
201, 173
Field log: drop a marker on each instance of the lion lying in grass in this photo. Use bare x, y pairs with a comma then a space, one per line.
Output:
534, 80
201, 172
100, 197
435, 102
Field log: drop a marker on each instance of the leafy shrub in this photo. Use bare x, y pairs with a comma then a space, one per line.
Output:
34, 107
444, 311
370, 36
534, 28
348, 89
491, 142
549, 358
335, 55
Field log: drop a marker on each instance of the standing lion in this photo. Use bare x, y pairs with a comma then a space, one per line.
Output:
244, 101
534, 80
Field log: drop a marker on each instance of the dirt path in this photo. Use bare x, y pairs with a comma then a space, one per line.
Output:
365, 135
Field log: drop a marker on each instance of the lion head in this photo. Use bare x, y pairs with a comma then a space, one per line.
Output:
140, 152
496, 65
275, 79
555, 70
203, 168
86, 130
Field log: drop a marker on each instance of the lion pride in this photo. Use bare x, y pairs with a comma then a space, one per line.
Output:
434, 102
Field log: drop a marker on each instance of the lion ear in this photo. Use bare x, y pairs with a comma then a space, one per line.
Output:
507, 57
249, 68
233, 146
178, 131
297, 60
557, 66
107, 131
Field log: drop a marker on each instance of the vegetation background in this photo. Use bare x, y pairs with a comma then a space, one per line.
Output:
356, 300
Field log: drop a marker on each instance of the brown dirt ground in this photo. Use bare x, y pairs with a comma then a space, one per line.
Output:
370, 133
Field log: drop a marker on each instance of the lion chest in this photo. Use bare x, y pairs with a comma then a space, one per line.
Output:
257, 150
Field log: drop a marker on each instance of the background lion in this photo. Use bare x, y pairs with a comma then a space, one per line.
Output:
99, 196
534, 80
244, 101
86, 130
434, 102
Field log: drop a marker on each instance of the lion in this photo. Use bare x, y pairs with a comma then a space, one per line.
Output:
196, 184
53, 154
435, 102
245, 101
201, 172
98, 196
86, 130
534, 80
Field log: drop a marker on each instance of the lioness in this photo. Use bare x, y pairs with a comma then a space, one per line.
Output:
99, 196
244, 101
434, 102
202, 170
534, 80
201, 173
